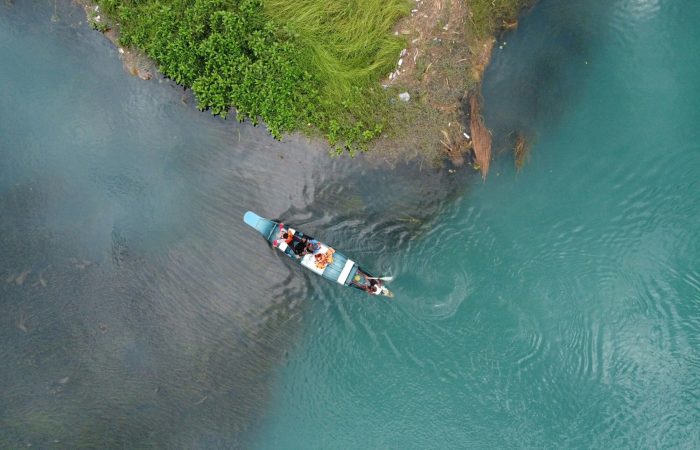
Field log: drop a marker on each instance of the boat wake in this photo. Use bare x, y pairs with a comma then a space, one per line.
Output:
447, 294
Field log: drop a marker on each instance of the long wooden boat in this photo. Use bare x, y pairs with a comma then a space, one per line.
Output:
316, 256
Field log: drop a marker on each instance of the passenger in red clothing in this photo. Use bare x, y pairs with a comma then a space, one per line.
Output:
284, 235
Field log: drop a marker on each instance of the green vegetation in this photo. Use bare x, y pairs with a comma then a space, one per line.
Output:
351, 47
226, 51
306, 65
488, 16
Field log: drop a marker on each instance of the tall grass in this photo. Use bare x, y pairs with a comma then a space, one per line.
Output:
350, 42
350, 46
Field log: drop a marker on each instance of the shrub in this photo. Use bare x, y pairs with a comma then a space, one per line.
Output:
288, 63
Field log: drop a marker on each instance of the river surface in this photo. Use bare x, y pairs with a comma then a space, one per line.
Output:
557, 306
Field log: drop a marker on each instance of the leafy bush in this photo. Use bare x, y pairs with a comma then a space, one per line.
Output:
292, 64
227, 52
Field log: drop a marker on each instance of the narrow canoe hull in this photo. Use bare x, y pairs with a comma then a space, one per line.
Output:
333, 265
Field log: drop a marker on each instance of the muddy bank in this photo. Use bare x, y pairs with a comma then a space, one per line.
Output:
441, 69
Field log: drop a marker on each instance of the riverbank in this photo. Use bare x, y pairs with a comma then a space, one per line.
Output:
449, 45
406, 88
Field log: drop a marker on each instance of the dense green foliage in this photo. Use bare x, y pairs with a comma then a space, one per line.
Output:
294, 64
227, 52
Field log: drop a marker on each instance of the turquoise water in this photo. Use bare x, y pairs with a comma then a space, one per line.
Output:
558, 306
555, 307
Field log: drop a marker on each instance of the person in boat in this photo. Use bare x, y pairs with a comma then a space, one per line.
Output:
323, 259
302, 247
373, 288
284, 235
314, 246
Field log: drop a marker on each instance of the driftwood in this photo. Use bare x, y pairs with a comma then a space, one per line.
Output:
481, 137
521, 151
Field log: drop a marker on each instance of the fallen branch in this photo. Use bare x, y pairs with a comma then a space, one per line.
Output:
481, 137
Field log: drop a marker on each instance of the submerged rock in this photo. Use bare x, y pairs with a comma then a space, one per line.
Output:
22, 277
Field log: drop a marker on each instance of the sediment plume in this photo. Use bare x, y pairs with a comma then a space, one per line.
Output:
481, 137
